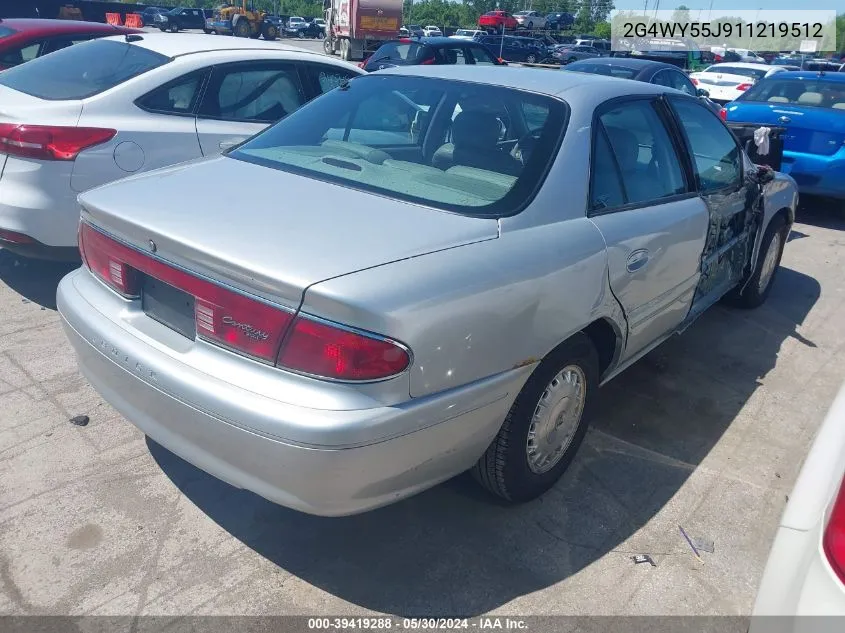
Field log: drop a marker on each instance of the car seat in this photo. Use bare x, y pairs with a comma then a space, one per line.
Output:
475, 138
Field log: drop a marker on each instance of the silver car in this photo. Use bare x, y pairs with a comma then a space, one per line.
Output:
462, 257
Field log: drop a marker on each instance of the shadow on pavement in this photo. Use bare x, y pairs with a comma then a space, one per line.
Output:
822, 212
34, 279
453, 550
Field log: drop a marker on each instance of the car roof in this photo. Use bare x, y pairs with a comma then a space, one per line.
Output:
626, 62
434, 41
38, 27
745, 65
812, 74
191, 43
538, 80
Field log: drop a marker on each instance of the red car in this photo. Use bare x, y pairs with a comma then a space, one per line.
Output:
497, 20
24, 39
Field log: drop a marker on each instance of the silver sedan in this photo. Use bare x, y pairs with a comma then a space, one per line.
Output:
463, 255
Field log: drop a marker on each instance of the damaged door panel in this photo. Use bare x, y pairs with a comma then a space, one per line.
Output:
733, 199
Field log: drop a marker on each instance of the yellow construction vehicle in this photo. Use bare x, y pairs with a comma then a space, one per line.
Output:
242, 21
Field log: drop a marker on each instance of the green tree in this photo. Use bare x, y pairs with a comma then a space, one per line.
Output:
681, 15
602, 30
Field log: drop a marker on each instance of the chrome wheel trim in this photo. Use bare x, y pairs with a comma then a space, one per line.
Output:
770, 262
556, 418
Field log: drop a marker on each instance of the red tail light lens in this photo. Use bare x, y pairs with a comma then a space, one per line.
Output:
50, 142
427, 62
723, 114
744, 87
694, 81
326, 351
834, 536
362, 64
223, 316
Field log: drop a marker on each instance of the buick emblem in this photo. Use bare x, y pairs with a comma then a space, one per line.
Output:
153, 246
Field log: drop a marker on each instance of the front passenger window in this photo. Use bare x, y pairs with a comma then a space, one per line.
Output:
715, 153
257, 93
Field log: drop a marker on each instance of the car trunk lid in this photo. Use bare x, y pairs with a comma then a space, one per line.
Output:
809, 130
721, 79
272, 240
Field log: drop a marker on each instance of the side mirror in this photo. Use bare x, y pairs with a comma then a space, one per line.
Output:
701, 92
765, 174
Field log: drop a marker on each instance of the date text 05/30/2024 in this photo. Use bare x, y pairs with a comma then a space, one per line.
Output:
480, 623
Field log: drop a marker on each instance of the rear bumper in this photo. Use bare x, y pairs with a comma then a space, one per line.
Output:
244, 440
816, 174
36, 200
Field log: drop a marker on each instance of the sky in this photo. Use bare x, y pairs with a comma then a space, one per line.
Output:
726, 5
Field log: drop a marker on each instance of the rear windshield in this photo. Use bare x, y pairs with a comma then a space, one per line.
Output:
751, 73
463, 147
5, 31
804, 92
80, 71
611, 70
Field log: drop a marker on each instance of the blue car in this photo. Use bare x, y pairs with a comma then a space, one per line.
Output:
811, 106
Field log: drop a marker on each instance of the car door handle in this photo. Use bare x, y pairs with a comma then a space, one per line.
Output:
230, 143
637, 260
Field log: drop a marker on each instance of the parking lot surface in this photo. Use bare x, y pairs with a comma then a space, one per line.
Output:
708, 432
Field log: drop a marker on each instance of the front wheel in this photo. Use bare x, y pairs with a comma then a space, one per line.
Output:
242, 29
174, 28
531, 59
545, 425
759, 284
270, 32
328, 46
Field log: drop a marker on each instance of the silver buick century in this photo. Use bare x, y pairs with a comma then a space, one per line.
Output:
461, 257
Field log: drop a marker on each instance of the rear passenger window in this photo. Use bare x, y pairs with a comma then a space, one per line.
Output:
263, 93
535, 116
453, 56
176, 97
643, 149
605, 183
481, 56
715, 154
328, 77
20, 55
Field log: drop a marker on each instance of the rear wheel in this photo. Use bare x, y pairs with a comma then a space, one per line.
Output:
207, 31
345, 51
328, 46
174, 28
759, 284
242, 29
270, 32
531, 59
545, 426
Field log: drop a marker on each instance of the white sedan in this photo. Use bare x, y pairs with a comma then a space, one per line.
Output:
726, 82
467, 34
102, 110
805, 574
432, 31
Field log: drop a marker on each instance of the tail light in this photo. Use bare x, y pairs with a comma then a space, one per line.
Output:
694, 81
50, 142
427, 62
316, 348
223, 316
362, 64
723, 114
246, 324
744, 87
834, 536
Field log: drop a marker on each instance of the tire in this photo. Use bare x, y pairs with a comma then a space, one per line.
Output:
530, 25
531, 59
241, 29
345, 50
163, 29
300, 34
207, 31
174, 28
270, 32
328, 48
771, 250
505, 468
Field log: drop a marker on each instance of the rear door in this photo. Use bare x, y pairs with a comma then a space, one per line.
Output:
653, 223
243, 98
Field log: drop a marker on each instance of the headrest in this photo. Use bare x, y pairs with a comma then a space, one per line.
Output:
811, 98
475, 129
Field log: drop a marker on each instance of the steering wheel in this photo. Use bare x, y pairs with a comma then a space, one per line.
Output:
525, 146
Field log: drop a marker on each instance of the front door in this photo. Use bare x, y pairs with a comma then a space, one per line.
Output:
653, 222
732, 199
243, 98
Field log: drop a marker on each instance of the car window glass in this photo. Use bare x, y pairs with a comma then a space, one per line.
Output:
605, 183
453, 56
20, 55
644, 152
329, 77
680, 82
177, 97
716, 156
58, 43
820, 93
249, 93
535, 116
472, 172
83, 70
480, 55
